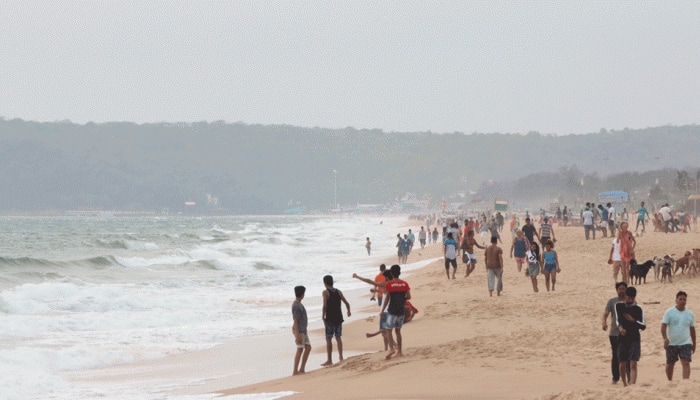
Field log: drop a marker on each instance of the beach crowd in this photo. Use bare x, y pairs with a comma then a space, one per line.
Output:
532, 246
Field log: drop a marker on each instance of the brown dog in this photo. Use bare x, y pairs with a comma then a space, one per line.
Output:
682, 263
694, 264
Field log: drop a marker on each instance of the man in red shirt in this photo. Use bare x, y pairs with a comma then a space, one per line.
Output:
398, 292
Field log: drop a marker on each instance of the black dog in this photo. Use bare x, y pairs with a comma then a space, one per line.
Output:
640, 271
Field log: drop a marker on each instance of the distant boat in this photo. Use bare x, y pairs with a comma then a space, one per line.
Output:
295, 210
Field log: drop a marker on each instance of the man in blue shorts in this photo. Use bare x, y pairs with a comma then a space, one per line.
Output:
630, 320
398, 292
333, 318
678, 331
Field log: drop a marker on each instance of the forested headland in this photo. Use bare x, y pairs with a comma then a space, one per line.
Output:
238, 168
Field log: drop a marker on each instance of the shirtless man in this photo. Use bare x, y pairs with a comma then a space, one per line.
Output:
493, 258
468, 244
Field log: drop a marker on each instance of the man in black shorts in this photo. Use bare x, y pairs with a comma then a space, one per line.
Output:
621, 289
630, 320
678, 331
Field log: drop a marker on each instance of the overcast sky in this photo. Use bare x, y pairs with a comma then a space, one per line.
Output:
554, 67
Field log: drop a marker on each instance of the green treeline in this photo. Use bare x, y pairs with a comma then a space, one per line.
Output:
255, 169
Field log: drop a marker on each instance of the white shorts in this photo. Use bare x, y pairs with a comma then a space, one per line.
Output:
604, 224
304, 341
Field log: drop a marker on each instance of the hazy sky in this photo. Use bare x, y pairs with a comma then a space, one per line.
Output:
554, 67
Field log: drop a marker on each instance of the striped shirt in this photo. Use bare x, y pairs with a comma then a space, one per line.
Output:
546, 230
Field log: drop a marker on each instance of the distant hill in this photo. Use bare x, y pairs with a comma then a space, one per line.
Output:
256, 169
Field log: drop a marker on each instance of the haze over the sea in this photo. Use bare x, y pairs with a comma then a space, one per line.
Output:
440, 66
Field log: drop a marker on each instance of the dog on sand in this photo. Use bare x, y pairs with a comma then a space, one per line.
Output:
683, 263
667, 269
638, 272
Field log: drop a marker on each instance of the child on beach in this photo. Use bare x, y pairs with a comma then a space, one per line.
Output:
333, 318
410, 312
378, 291
368, 246
551, 264
534, 264
299, 330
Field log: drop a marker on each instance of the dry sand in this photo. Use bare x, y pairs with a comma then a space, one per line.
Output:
521, 345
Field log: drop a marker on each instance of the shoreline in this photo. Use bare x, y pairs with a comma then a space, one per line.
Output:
519, 345
207, 371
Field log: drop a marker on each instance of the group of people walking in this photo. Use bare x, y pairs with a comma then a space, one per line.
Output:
627, 321
623, 317
524, 248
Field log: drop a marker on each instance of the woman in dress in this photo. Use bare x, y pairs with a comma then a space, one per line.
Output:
627, 244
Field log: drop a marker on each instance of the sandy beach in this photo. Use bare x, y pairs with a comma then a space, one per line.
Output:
520, 345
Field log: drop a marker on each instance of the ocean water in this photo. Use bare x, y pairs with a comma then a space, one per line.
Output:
79, 293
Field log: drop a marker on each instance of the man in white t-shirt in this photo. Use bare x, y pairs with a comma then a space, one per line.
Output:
678, 331
588, 226
666, 215
616, 260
